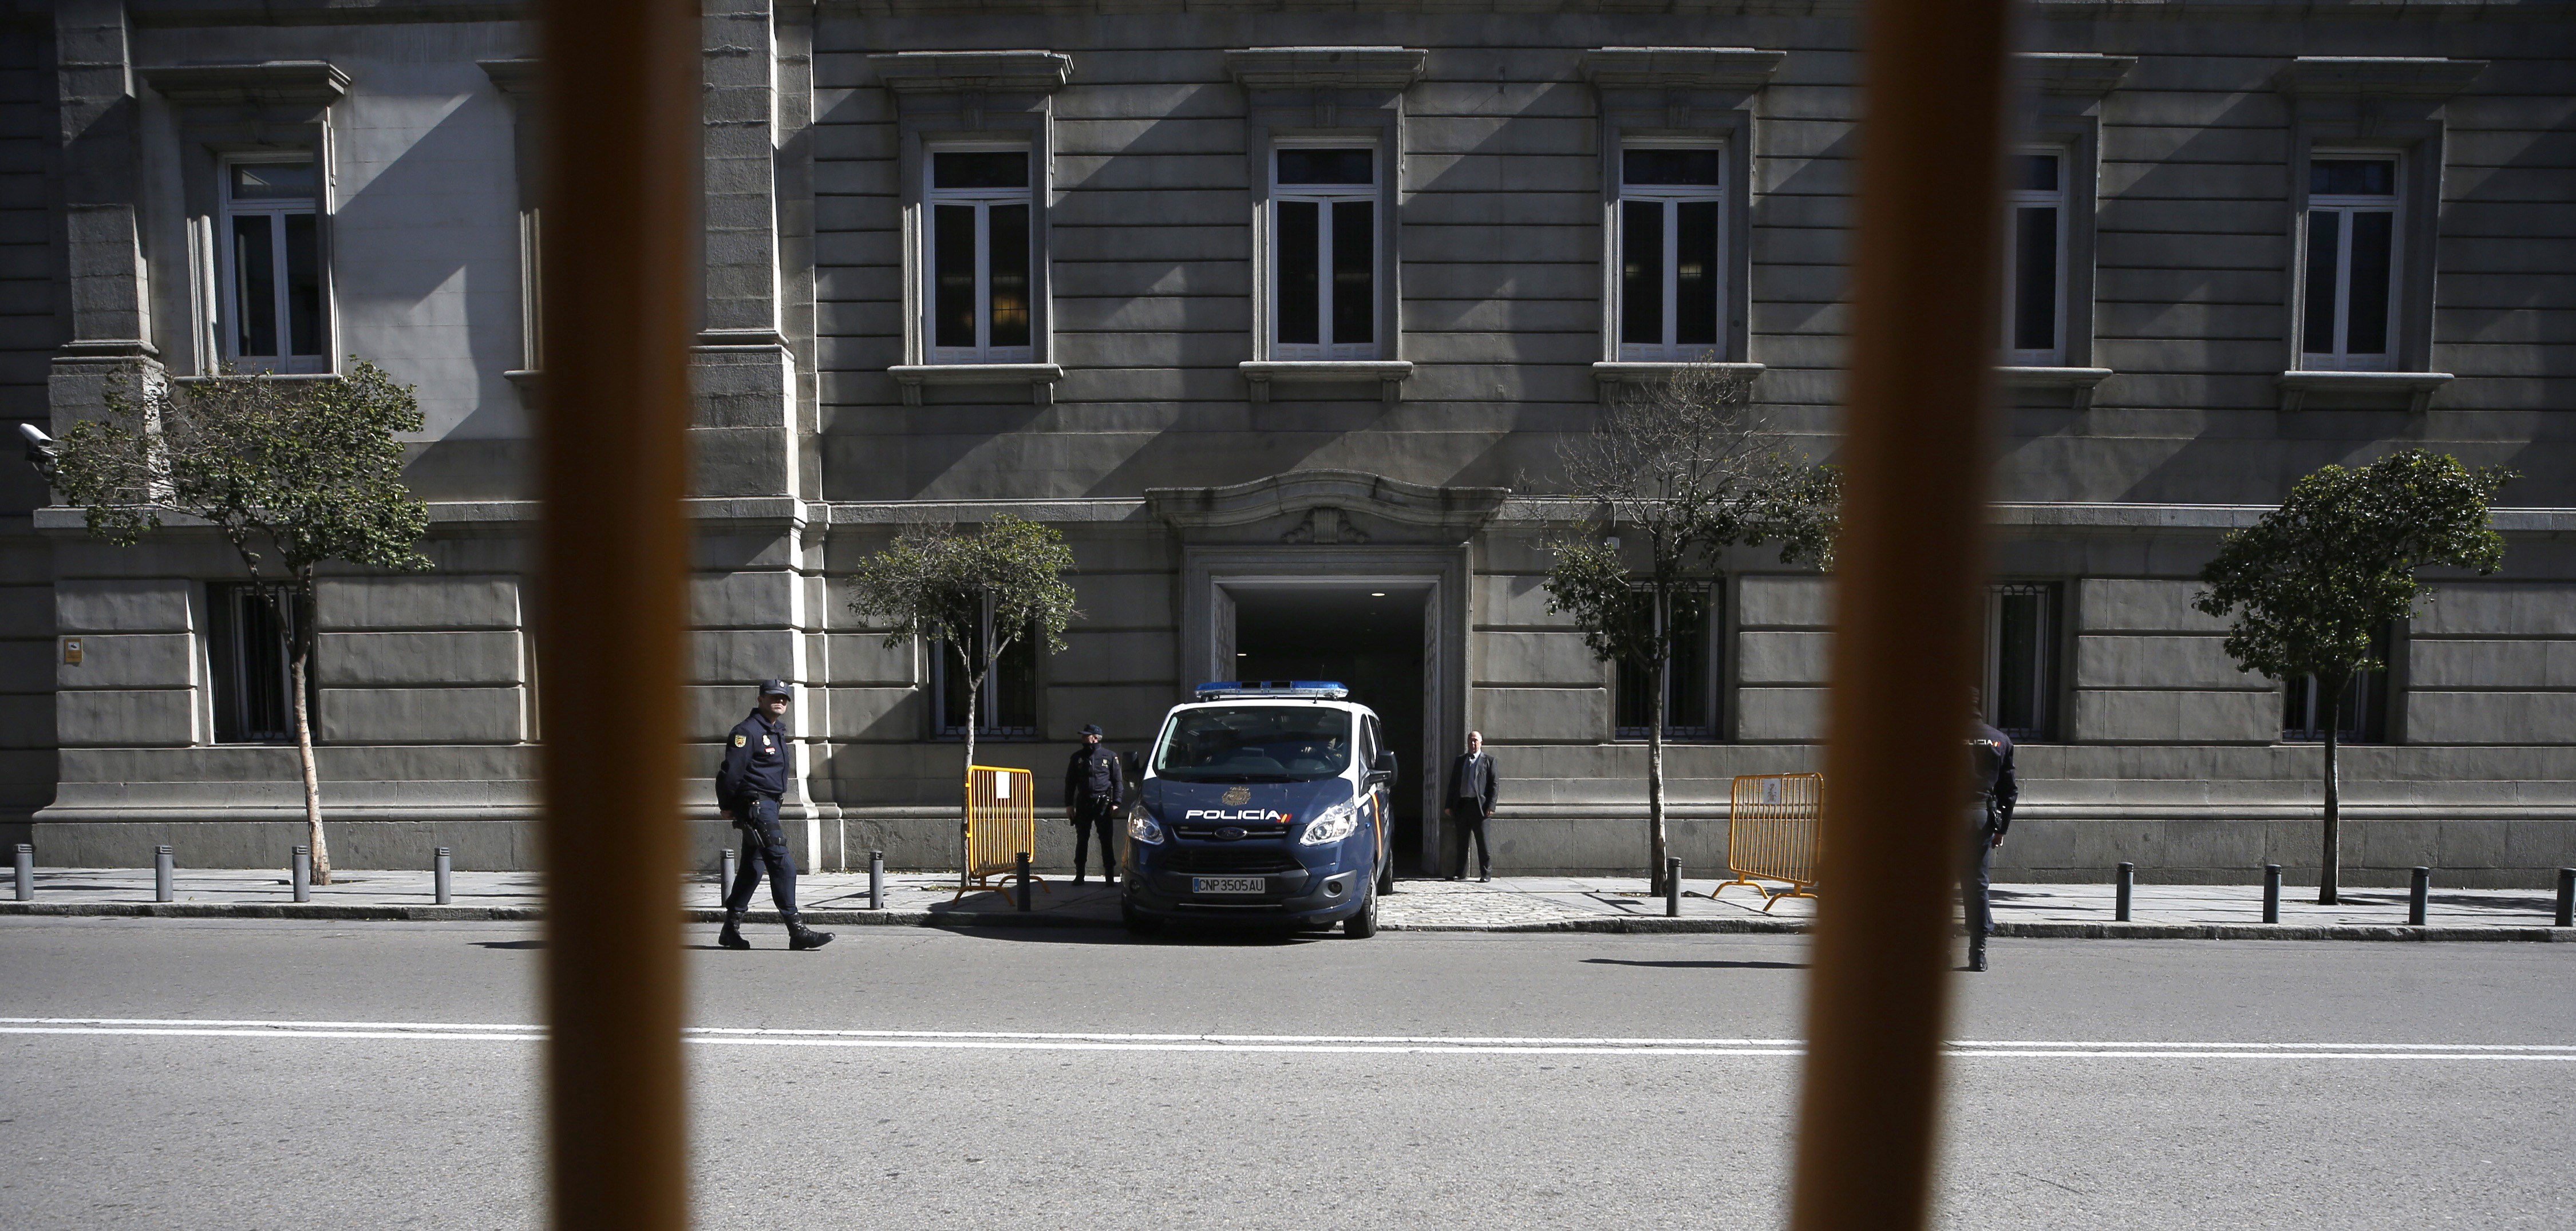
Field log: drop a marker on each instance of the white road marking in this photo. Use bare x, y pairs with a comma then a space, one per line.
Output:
1000, 1040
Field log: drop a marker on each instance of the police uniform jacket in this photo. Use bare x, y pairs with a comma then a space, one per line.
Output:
1991, 776
1472, 775
755, 761
1094, 774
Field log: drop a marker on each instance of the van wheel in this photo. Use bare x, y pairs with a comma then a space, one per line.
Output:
1138, 924
1364, 924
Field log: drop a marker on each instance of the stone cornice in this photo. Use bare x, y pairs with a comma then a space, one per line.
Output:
1682, 68
1335, 68
317, 82
2383, 76
1458, 509
516, 78
955, 72
2072, 72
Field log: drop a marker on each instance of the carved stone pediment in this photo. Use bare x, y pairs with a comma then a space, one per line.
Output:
1326, 507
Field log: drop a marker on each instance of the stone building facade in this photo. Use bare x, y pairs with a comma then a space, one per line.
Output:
1280, 315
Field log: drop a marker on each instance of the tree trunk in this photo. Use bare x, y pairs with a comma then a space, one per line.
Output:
300, 663
1658, 842
2330, 862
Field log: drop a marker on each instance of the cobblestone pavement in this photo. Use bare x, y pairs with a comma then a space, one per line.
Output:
1506, 902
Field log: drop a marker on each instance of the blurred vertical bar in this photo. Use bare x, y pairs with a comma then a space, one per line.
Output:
620, 94
1912, 566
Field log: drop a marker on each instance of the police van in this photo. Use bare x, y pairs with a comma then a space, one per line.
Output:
1263, 802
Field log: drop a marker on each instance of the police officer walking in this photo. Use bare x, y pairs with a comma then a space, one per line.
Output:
1095, 785
1990, 809
747, 792
1469, 800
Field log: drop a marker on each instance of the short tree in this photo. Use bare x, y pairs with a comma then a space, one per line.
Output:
294, 474
1685, 469
2313, 582
982, 590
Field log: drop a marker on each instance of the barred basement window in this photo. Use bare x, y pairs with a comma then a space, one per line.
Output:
1690, 699
2361, 719
272, 314
1010, 702
2021, 660
1671, 252
2035, 263
1323, 228
2351, 299
980, 248
251, 667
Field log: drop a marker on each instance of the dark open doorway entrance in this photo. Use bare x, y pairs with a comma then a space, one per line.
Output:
1370, 640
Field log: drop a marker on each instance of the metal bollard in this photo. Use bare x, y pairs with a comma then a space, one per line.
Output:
27, 878
438, 876
2127, 885
876, 880
300, 871
2271, 893
724, 875
165, 869
1673, 887
2566, 893
2416, 895
1023, 861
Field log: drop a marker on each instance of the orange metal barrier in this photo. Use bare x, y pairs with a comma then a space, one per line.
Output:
1774, 827
1001, 825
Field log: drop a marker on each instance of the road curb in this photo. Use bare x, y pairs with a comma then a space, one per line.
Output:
1613, 925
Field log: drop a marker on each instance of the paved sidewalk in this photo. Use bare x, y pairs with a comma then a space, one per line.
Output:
1513, 903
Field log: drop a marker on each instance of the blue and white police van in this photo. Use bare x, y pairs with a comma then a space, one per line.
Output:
1267, 803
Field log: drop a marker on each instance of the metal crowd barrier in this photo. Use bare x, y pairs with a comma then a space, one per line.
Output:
1774, 826
1001, 825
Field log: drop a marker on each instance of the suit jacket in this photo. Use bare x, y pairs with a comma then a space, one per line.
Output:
1471, 774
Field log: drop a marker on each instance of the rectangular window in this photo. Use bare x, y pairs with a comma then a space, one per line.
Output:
1323, 252
2361, 719
980, 245
272, 313
1690, 700
2035, 262
2351, 279
1010, 704
2021, 660
1672, 294
249, 660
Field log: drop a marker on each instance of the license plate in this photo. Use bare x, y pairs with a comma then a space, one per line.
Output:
1228, 884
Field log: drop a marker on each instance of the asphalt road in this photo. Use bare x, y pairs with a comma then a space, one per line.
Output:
914, 1078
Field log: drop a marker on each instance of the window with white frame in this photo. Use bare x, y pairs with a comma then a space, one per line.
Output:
2351, 283
2035, 262
980, 246
1672, 214
249, 663
2021, 660
2360, 716
271, 263
1323, 251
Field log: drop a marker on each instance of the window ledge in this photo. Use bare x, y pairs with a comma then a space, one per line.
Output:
1610, 375
2416, 387
283, 378
1039, 377
1390, 374
2078, 382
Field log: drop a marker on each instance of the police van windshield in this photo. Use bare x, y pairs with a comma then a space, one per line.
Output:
1270, 743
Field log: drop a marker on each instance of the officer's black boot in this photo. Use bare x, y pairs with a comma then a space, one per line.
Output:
1976, 951
731, 936
801, 937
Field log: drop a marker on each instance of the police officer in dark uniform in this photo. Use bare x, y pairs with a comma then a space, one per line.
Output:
1095, 785
747, 791
1993, 793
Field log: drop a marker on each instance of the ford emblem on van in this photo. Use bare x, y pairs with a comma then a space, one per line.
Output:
1263, 803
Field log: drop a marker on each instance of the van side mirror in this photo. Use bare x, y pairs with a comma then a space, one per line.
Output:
1384, 770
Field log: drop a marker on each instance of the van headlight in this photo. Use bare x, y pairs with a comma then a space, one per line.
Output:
1145, 829
1332, 825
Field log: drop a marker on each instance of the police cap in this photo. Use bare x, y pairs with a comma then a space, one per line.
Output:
1091, 728
776, 688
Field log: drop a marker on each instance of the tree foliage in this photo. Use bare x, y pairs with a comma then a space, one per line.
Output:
1677, 473
936, 583
293, 473
2311, 584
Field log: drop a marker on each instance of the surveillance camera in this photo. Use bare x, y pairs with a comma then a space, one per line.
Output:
40, 447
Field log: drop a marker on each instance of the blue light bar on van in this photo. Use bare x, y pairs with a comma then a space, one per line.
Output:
1327, 689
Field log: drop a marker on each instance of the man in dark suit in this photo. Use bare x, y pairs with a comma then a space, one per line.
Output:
1993, 791
1469, 800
